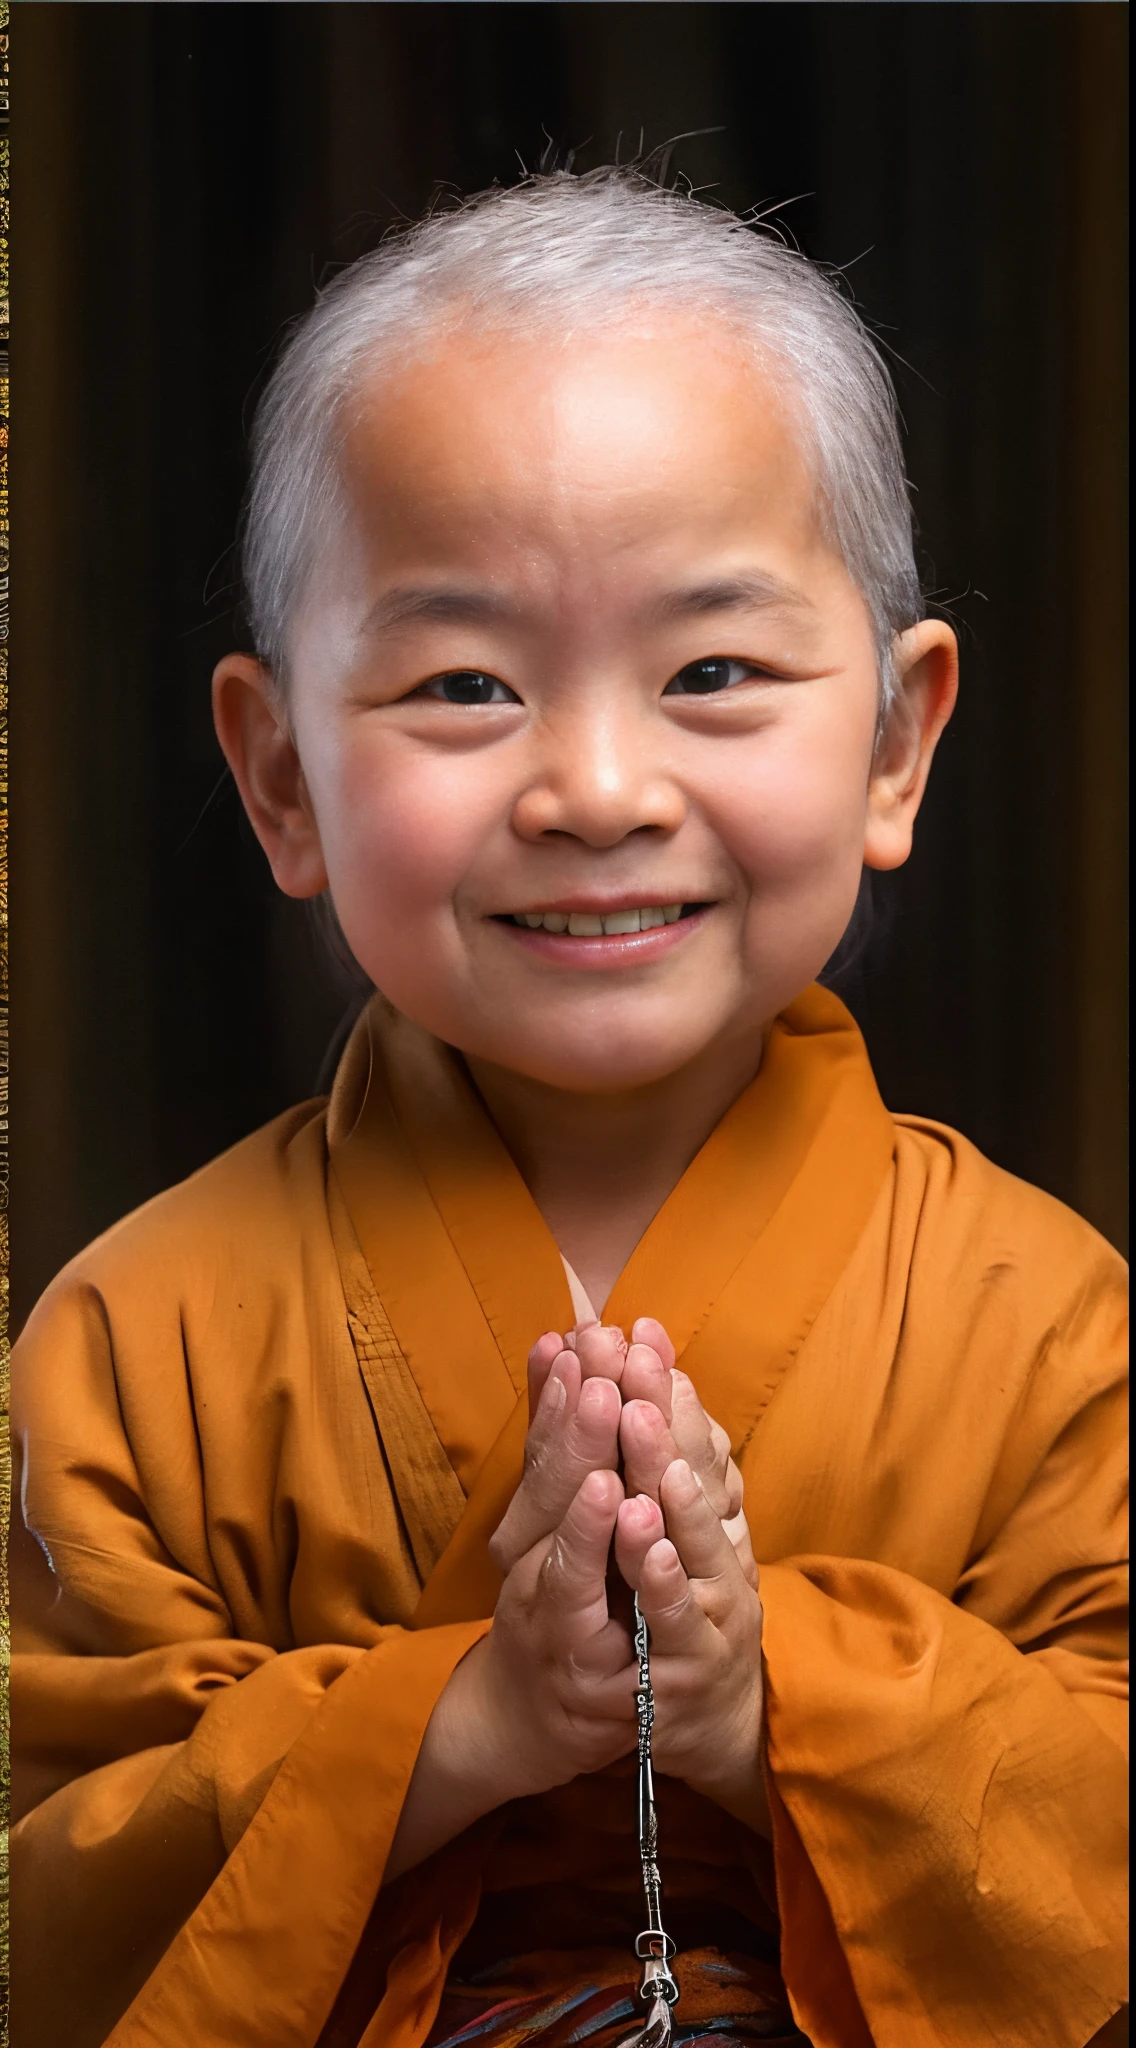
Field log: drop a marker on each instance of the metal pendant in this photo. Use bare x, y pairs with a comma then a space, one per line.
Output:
659, 2030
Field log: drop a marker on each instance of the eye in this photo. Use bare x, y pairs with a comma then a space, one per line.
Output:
703, 678
467, 686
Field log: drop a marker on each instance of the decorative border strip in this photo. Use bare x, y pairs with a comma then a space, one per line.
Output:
5, 1447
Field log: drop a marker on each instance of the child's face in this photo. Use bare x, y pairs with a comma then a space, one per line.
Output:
582, 649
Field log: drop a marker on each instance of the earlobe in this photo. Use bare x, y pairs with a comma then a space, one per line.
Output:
256, 740
926, 667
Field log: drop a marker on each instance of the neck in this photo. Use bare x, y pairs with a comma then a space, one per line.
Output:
599, 1167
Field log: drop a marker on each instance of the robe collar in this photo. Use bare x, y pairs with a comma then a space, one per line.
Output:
736, 1264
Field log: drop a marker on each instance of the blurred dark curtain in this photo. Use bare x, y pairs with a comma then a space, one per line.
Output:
186, 173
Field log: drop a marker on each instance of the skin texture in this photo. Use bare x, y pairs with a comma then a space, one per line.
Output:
578, 525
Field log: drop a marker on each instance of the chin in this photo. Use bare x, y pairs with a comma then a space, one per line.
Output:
591, 1060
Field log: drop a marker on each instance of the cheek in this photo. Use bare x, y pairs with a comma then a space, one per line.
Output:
400, 830
794, 811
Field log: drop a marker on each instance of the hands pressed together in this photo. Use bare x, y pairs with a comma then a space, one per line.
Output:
621, 1463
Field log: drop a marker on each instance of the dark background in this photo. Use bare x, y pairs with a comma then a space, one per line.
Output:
186, 173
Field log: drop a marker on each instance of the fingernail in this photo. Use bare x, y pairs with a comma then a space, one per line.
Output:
594, 1487
613, 1338
685, 1478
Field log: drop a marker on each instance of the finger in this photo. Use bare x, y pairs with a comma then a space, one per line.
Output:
574, 1573
639, 1524
705, 1446
741, 1543
556, 1406
601, 1350
541, 1357
647, 1445
677, 1625
576, 1431
646, 1378
645, 1330
575, 1434
695, 1530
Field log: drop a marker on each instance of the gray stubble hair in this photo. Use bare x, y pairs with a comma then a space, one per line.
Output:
564, 255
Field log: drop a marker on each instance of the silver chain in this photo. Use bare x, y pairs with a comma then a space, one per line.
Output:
654, 1947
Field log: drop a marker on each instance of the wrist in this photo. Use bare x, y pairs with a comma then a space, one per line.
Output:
745, 1798
735, 1780
462, 1771
488, 1744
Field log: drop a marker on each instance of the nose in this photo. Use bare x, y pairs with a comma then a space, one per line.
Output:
598, 775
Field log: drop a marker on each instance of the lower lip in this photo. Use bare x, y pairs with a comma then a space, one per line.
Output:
625, 949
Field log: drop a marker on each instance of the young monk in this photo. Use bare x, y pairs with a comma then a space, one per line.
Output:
591, 672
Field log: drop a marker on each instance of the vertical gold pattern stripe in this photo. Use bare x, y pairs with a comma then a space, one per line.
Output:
5, 1444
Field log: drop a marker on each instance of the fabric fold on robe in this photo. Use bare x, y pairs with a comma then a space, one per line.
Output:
264, 1430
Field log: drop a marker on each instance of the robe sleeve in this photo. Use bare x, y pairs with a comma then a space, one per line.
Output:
947, 1774
167, 1772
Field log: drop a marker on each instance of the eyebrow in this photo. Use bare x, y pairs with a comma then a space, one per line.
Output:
459, 605
746, 591
438, 602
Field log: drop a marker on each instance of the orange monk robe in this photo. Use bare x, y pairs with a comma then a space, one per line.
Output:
266, 1425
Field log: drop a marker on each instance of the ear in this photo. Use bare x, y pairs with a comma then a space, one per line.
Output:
252, 726
926, 668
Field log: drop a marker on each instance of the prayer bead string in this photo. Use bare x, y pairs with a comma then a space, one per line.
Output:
654, 1947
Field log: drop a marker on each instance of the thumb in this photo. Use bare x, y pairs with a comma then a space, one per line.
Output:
677, 1625
574, 1573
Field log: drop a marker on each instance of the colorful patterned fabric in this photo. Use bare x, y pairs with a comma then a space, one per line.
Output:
727, 2001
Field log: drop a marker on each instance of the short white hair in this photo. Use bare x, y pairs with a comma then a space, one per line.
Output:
560, 255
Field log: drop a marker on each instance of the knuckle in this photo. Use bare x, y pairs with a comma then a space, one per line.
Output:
739, 1543
535, 1467
506, 1544
578, 1454
717, 1496
552, 1571
677, 1608
541, 1469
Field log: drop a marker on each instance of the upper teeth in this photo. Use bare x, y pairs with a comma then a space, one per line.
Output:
586, 924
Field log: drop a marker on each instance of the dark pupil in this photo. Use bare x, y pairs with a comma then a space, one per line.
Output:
701, 677
465, 686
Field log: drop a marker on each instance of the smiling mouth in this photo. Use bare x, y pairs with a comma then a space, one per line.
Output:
607, 924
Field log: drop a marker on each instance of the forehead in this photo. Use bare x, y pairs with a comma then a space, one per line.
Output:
580, 446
